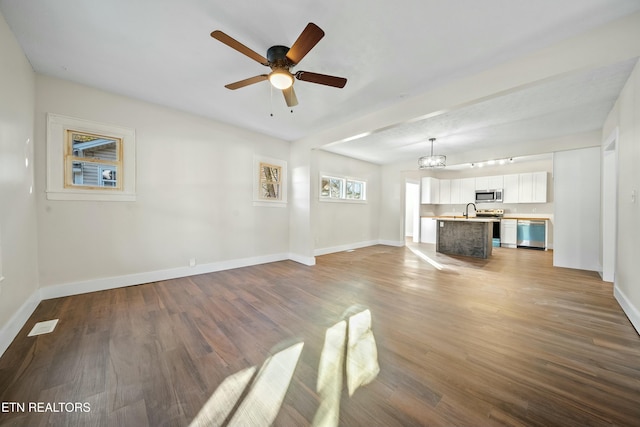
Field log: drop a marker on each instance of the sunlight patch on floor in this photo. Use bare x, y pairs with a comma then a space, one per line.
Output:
263, 402
222, 401
329, 385
424, 257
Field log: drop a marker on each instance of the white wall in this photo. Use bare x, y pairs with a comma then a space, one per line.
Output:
194, 195
300, 235
17, 203
577, 209
626, 116
392, 187
344, 225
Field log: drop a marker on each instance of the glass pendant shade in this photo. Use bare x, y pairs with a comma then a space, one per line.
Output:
432, 161
427, 162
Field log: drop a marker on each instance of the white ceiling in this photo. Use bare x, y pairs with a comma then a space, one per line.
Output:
560, 107
160, 51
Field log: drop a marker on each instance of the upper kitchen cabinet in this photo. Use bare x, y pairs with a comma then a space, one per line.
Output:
532, 187
511, 188
456, 187
482, 183
496, 182
540, 187
489, 182
445, 192
429, 190
517, 188
462, 191
467, 190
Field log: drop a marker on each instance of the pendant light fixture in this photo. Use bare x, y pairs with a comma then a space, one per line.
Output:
432, 161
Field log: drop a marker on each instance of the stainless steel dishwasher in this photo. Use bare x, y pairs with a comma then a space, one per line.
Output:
531, 233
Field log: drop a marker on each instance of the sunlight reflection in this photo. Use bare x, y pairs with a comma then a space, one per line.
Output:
222, 401
362, 354
354, 338
262, 404
423, 256
329, 385
349, 347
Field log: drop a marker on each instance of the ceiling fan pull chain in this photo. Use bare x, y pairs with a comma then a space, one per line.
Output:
271, 99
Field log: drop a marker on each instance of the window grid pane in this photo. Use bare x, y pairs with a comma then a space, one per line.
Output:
355, 190
93, 161
270, 185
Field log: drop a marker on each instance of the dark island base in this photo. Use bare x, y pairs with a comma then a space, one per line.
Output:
467, 238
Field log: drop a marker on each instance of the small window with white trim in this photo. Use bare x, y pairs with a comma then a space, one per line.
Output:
88, 160
337, 188
270, 181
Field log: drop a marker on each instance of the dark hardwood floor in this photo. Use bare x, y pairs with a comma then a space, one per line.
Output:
505, 341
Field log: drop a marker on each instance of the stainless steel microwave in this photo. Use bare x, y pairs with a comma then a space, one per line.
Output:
491, 196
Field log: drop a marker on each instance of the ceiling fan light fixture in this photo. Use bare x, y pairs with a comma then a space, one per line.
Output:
432, 161
281, 79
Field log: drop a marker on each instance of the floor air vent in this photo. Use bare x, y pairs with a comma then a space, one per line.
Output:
43, 327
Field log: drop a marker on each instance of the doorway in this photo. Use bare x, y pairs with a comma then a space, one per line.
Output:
412, 211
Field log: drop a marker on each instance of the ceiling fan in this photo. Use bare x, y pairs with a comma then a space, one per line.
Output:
281, 59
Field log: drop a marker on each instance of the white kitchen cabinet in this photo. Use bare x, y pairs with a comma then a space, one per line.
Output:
539, 187
532, 187
445, 192
525, 188
482, 183
511, 192
489, 182
456, 191
428, 230
496, 182
467, 190
509, 233
429, 190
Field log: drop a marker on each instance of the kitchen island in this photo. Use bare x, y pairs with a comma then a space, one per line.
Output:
468, 237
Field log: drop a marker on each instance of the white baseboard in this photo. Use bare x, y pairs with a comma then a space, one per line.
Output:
11, 329
342, 248
306, 260
632, 312
93, 285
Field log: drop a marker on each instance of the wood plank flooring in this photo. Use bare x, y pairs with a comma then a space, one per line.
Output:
506, 341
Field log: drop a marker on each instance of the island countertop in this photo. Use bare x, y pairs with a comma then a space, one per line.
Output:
462, 218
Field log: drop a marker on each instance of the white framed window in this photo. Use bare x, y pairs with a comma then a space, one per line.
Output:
88, 160
92, 161
342, 188
269, 182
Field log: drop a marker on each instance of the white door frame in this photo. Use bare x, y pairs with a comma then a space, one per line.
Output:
412, 209
609, 206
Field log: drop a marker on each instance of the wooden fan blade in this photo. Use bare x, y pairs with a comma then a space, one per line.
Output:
290, 97
235, 44
309, 37
321, 79
247, 82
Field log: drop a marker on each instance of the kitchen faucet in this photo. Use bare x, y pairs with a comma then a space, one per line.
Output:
466, 210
